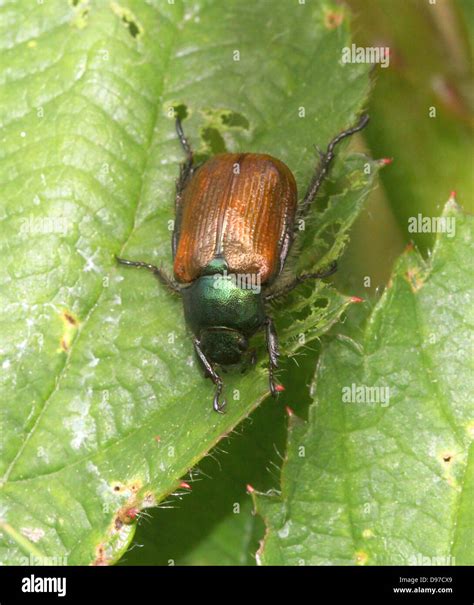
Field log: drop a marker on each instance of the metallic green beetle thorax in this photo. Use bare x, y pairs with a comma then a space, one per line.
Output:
215, 301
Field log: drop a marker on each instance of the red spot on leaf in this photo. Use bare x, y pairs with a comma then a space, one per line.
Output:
132, 513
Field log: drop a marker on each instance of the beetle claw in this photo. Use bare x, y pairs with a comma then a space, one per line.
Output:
218, 406
273, 387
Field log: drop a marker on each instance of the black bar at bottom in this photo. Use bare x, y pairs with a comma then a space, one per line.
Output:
139, 584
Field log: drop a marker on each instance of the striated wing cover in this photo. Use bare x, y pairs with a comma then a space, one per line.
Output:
241, 206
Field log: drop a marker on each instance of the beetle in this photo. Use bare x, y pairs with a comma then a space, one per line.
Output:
234, 227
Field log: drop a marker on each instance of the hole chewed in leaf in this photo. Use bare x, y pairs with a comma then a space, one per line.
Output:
213, 140
321, 303
134, 27
81, 13
235, 120
218, 121
227, 118
180, 111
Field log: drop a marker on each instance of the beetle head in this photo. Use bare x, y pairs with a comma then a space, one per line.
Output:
223, 345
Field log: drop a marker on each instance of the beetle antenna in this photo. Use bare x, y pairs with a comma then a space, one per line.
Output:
324, 164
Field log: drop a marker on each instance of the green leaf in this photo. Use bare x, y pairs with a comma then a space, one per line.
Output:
215, 525
103, 407
386, 477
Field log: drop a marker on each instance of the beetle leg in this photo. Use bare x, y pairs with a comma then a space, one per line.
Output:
273, 353
165, 279
183, 140
300, 279
325, 160
213, 375
186, 169
185, 172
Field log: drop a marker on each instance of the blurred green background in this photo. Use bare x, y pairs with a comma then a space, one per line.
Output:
420, 111
430, 74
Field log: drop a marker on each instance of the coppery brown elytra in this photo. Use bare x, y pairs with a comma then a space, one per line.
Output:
234, 226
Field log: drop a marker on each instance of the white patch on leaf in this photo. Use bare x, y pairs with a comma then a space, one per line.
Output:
33, 534
80, 423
